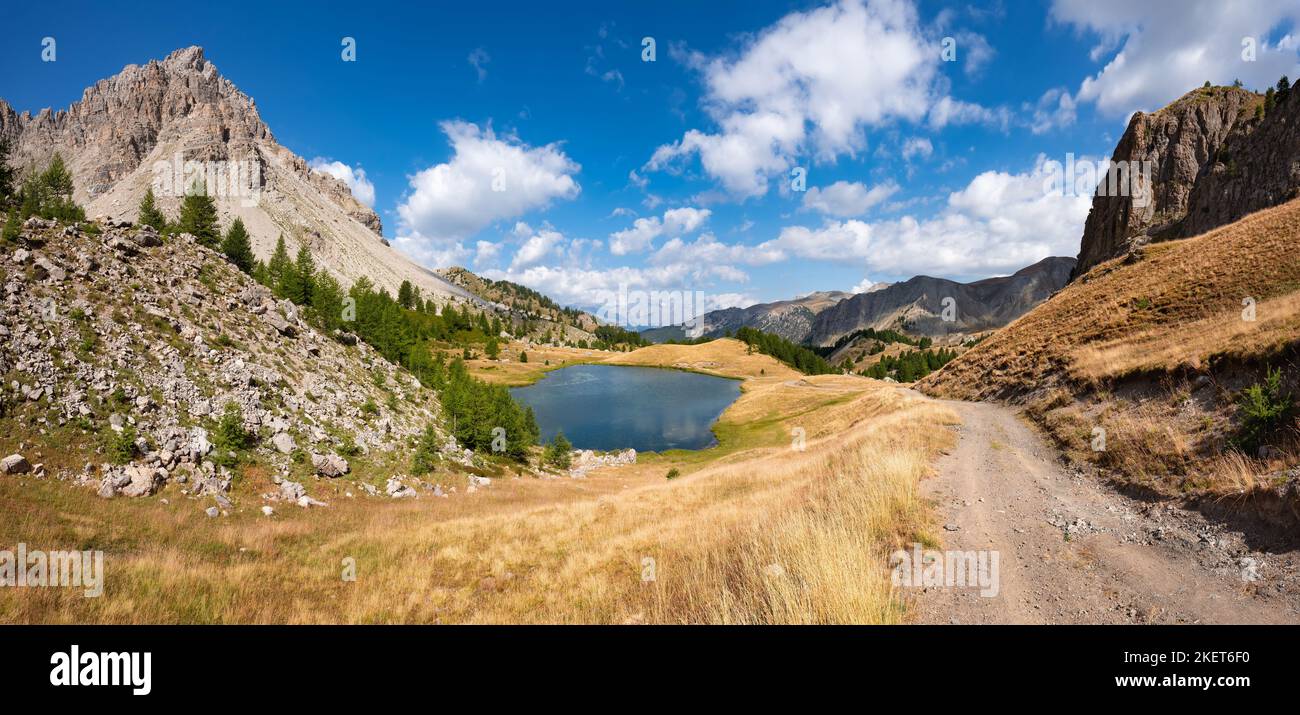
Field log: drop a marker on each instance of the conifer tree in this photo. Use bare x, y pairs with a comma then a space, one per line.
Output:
300, 277
405, 295
237, 248
150, 214
199, 216
278, 266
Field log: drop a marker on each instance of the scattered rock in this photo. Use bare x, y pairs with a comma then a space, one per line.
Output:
329, 465
15, 464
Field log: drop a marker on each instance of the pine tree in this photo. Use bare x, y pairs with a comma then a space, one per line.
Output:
58, 180
199, 216
492, 349
150, 214
31, 197
1283, 89
237, 248
405, 295
301, 276
11, 229
327, 299
278, 266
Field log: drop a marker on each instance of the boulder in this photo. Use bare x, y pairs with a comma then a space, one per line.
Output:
144, 481
397, 490
283, 443
329, 465
281, 325
15, 464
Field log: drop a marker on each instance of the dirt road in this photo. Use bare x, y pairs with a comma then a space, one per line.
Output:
1074, 551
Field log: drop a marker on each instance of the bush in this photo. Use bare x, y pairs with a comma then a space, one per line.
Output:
674, 473
426, 452
556, 453
229, 439
1265, 409
120, 446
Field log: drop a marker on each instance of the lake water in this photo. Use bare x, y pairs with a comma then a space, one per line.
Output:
606, 407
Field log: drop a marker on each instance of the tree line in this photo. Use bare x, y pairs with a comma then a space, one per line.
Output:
910, 365
792, 354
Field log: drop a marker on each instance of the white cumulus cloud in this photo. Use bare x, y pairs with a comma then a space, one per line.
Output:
845, 198
800, 87
487, 179
675, 222
1168, 47
1000, 222
361, 188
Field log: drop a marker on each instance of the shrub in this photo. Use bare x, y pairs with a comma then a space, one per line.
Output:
120, 446
556, 453
1265, 409
229, 439
426, 452
674, 473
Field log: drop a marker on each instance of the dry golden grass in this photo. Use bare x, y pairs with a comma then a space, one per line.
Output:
1180, 306
1116, 350
753, 532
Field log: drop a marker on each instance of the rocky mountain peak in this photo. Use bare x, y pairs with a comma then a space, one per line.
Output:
144, 126
1212, 159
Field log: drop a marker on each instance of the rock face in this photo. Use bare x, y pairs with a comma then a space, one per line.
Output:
1212, 161
917, 306
141, 126
791, 319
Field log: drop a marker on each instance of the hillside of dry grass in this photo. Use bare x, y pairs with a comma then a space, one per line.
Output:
1155, 349
752, 531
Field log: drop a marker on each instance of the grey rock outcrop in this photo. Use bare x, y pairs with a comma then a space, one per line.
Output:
1212, 161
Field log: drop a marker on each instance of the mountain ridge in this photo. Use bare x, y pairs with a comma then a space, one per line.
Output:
130, 131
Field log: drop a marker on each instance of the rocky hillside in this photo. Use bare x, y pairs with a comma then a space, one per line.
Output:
132, 366
1213, 160
524, 305
140, 126
790, 319
1145, 367
916, 306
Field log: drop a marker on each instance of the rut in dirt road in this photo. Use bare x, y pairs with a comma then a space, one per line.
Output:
1073, 551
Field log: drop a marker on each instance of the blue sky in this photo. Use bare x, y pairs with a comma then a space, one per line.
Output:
677, 173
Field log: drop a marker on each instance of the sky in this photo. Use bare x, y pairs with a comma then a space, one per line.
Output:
763, 151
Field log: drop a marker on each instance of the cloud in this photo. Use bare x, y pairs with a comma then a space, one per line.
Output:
976, 50
361, 188
866, 285
479, 59
1168, 47
946, 111
917, 146
997, 224
844, 198
675, 222
536, 247
798, 88
486, 252
487, 179
1055, 109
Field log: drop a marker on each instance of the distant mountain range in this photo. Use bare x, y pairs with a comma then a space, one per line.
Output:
791, 319
922, 306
